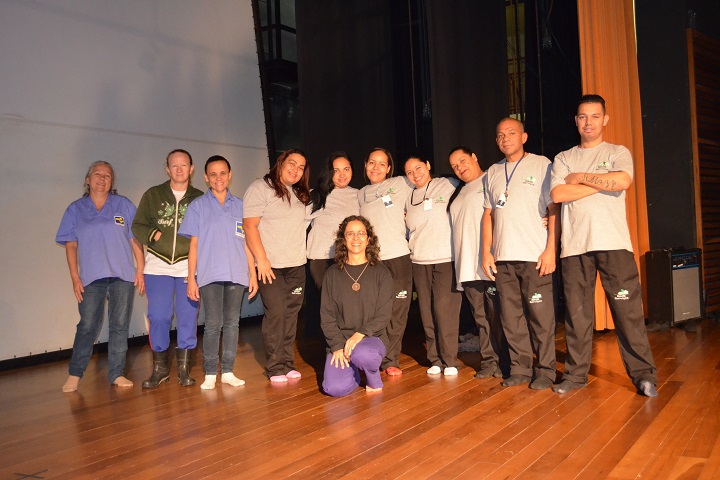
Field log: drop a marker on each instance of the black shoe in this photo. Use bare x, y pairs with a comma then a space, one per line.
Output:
541, 383
657, 327
514, 380
161, 372
566, 386
486, 372
690, 326
183, 365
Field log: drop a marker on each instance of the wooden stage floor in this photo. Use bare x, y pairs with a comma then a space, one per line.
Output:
418, 427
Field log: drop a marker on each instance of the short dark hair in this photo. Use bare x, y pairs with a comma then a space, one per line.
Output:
177, 150
592, 98
466, 150
419, 158
217, 158
372, 252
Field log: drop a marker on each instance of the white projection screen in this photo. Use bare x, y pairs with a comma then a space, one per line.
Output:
124, 81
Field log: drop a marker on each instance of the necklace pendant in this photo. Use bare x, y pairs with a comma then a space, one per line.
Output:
356, 286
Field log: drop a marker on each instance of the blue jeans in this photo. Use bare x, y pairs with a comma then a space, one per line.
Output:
162, 292
119, 294
222, 301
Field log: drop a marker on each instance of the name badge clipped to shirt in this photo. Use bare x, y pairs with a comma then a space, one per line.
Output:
501, 201
427, 204
387, 201
239, 230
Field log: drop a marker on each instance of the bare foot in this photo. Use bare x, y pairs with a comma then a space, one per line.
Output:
373, 390
71, 385
122, 382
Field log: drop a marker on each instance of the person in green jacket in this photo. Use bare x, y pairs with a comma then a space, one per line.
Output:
160, 213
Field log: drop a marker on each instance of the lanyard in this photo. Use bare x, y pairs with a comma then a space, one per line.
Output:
412, 194
507, 179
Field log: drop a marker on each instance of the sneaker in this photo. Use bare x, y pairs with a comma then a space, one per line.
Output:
450, 371
278, 379
487, 372
293, 374
541, 383
647, 388
434, 370
514, 380
566, 386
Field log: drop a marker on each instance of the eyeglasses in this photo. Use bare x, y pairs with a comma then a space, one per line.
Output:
355, 234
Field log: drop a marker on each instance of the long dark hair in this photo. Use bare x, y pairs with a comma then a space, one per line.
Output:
372, 252
325, 183
301, 188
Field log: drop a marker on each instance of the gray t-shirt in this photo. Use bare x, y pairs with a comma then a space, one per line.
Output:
428, 222
282, 225
466, 215
340, 203
384, 205
518, 233
596, 222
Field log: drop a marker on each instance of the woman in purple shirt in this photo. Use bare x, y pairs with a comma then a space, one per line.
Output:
224, 266
100, 247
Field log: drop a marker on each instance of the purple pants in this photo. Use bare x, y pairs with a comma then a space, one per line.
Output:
166, 294
366, 356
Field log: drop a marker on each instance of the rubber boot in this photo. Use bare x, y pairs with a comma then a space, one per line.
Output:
160, 373
183, 365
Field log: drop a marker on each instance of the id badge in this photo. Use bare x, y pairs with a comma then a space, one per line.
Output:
501, 201
427, 204
387, 201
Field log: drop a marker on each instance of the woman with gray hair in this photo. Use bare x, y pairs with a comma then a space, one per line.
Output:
100, 247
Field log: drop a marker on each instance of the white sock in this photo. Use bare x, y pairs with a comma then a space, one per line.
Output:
209, 382
71, 385
231, 379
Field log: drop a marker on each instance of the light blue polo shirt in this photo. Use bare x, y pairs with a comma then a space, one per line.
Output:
221, 239
103, 237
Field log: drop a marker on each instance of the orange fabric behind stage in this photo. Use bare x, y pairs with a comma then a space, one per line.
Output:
608, 60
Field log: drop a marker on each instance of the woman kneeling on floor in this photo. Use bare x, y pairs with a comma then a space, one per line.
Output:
355, 310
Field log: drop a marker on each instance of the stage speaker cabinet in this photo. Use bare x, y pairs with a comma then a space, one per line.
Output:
674, 285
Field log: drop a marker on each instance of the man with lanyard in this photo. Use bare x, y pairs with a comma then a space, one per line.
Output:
518, 252
590, 181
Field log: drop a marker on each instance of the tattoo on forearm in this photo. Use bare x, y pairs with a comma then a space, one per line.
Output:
608, 185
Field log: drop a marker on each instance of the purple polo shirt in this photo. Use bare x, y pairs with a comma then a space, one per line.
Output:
103, 237
221, 239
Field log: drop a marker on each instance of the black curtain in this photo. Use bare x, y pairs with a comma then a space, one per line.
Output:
363, 69
468, 75
345, 79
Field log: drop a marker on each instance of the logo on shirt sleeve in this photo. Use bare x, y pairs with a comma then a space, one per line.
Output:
119, 220
239, 230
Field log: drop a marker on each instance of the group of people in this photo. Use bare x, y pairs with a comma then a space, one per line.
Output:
493, 235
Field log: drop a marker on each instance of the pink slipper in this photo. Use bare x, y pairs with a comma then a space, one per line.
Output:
393, 371
293, 374
278, 379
